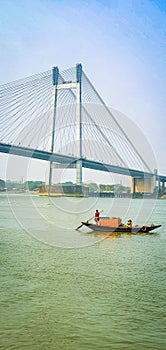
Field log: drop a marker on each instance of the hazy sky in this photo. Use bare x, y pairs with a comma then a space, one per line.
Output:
120, 43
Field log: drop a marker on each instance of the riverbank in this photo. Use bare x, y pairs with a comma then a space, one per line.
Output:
90, 195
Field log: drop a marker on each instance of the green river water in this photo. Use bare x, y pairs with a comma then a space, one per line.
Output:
65, 289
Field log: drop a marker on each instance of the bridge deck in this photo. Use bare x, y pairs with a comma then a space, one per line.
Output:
67, 160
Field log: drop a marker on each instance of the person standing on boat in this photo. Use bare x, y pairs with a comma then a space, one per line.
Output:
97, 216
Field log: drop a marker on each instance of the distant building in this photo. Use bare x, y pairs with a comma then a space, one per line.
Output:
63, 190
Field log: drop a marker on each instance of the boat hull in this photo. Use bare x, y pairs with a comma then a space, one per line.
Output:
135, 229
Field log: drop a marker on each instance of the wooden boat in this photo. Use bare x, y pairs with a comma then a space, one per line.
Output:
120, 229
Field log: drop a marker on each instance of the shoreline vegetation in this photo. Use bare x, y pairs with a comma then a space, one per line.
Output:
70, 189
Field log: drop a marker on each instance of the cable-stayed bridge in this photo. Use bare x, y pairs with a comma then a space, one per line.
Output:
59, 117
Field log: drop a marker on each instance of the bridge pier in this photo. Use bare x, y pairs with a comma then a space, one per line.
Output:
161, 187
143, 184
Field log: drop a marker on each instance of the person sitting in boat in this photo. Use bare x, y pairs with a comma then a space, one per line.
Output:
97, 216
129, 223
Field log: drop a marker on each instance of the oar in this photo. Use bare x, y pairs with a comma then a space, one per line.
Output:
87, 220
82, 224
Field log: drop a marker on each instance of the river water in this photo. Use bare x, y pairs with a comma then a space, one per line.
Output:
70, 290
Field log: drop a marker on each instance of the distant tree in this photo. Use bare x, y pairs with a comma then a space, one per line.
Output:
101, 187
68, 183
127, 189
121, 188
118, 188
2, 183
93, 187
31, 185
109, 188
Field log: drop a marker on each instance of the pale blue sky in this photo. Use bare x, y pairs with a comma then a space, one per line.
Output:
120, 43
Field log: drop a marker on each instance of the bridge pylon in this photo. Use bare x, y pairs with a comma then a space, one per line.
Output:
55, 75
56, 86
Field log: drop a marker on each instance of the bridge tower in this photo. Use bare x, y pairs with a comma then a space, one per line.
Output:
56, 86
55, 75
